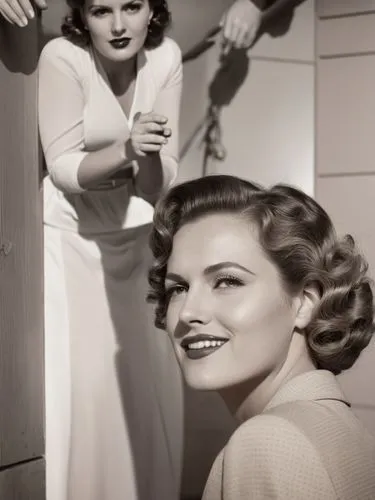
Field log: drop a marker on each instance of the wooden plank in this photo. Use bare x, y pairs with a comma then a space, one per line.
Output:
345, 115
333, 39
21, 274
348, 199
328, 8
23, 482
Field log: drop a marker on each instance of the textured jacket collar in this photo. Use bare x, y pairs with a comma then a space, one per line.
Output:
315, 385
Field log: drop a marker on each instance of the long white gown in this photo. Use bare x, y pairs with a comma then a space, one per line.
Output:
113, 389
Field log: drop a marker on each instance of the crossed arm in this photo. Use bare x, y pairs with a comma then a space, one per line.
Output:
74, 168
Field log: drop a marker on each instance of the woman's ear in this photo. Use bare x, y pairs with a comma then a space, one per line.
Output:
308, 302
151, 15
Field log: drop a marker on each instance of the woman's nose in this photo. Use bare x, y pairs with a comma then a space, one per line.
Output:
196, 309
118, 25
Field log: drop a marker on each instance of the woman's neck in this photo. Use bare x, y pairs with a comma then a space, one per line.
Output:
250, 398
119, 72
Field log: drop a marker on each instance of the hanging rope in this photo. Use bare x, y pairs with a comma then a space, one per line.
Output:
212, 138
214, 147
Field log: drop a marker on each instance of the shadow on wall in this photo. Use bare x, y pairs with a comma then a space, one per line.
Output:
229, 77
234, 67
278, 19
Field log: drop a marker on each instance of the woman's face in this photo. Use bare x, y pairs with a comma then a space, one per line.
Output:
118, 28
228, 316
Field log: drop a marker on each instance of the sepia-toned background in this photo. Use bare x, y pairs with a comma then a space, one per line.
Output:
299, 108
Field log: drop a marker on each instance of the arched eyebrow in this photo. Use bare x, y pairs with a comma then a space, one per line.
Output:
126, 3
214, 268
130, 2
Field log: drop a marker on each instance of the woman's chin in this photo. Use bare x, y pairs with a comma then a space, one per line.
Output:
119, 55
113, 55
202, 380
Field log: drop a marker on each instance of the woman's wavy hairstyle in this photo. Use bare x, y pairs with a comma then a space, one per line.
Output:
297, 235
74, 30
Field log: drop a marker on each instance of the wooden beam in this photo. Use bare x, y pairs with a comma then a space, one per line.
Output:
21, 265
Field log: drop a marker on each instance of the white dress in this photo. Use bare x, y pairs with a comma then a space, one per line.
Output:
113, 388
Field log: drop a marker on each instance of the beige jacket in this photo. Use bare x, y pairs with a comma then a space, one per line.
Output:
306, 445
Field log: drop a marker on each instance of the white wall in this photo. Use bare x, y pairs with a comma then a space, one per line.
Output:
268, 129
345, 181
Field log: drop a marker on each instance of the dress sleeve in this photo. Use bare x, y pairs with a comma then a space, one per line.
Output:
60, 114
168, 103
269, 457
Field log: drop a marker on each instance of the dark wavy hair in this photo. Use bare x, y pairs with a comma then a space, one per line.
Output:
74, 30
298, 236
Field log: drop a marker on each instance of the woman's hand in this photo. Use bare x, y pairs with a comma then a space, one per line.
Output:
19, 11
149, 133
240, 25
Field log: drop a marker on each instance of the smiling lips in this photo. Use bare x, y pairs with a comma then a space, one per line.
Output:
199, 346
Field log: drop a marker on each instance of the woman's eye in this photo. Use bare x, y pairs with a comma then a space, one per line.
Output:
99, 12
174, 290
134, 7
228, 282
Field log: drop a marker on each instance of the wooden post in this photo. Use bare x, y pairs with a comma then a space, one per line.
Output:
21, 269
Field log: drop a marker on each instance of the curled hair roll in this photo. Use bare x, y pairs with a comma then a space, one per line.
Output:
343, 323
159, 23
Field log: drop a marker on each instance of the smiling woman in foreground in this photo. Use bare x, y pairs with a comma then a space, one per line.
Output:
265, 304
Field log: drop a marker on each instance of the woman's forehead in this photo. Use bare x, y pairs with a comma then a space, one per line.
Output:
214, 238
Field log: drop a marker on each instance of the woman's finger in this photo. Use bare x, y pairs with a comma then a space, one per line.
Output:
150, 148
243, 33
15, 6
14, 13
226, 47
231, 29
41, 4
153, 117
153, 127
6, 17
152, 139
27, 8
250, 37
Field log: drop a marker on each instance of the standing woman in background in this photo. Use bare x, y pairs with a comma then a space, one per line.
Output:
109, 99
